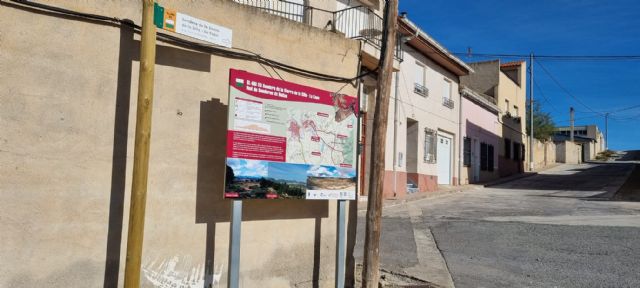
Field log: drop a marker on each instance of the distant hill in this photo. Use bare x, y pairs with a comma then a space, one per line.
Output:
286, 181
328, 183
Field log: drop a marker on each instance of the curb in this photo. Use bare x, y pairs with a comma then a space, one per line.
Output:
388, 203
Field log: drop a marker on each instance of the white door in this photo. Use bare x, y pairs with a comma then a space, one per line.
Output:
475, 160
444, 160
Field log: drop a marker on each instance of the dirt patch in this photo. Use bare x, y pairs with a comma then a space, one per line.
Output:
630, 191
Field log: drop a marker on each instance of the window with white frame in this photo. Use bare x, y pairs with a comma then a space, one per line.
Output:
447, 101
446, 92
420, 80
421, 73
430, 145
506, 106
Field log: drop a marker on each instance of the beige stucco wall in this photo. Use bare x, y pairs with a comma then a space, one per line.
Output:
544, 154
568, 152
510, 128
428, 111
66, 145
517, 95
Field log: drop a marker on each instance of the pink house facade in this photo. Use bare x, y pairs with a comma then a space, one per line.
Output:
480, 137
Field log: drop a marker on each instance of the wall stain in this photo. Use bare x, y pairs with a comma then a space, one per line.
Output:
178, 272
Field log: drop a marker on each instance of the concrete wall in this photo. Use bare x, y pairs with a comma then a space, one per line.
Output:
66, 148
485, 78
544, 154
568, 152
430, 113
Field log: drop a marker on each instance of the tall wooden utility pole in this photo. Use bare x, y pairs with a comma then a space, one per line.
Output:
141, 150
371, 268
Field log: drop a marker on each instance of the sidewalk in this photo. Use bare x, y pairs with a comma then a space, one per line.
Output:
447, 190
443, 191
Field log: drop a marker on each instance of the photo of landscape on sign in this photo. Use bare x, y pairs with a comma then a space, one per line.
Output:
289, 141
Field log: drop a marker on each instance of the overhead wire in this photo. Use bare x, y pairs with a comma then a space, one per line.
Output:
564, 89
554, 57
178, 41
535, 82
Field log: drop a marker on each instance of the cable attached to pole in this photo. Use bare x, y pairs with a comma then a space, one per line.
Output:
246, 55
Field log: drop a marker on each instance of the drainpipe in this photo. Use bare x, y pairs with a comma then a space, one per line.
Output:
395, 134
460, 142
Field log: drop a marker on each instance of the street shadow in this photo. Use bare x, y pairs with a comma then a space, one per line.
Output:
119, 157
514, 164
352, 234
631, 155
630, 191
129, 52
596, 182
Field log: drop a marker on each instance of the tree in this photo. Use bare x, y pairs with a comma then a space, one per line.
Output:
543, 125
229, 176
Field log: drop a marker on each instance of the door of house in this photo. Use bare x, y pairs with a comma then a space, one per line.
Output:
444, 160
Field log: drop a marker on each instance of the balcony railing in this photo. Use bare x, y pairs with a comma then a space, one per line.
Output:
420, 90
357, 22
448, 102
285, 9
491, 100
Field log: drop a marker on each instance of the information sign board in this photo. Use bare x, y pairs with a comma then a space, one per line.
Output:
170, 20
289, 141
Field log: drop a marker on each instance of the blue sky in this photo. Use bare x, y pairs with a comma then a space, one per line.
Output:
287, 171
330, 171
299, 172
248, 168
558, 27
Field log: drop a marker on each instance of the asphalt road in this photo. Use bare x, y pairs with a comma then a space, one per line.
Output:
555, 229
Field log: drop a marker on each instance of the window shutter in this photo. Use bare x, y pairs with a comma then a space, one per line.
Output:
467, 152
483, 157
490, 158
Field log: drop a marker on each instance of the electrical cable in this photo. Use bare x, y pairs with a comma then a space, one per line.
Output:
625, 109
555, 57
566, 91
535, 82
212, 49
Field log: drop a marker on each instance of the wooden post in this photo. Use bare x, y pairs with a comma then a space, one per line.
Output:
371, 267
141, 150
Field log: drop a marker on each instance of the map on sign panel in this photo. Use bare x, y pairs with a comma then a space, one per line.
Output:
316, 138
289, 141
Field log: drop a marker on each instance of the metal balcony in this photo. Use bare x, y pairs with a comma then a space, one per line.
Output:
357, 22
420, 90
448, 102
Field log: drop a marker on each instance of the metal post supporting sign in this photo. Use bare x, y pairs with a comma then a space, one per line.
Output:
234, 245
340, 244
